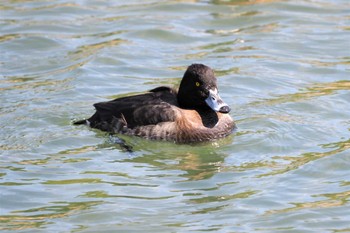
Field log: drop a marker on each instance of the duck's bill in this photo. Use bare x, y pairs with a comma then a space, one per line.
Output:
215, 102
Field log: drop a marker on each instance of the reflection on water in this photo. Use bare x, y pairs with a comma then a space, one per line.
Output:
299, 161
332, 200
39, 217
283, 67
197, 161
317, 90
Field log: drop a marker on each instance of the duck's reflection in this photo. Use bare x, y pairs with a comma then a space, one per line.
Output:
196, 161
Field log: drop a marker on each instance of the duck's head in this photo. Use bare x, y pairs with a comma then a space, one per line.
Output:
198, 90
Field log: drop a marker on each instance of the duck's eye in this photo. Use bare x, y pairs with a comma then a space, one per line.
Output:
198, 84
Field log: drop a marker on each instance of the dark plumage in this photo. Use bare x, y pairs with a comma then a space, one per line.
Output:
194, 113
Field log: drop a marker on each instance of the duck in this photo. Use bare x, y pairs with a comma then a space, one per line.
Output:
194, 113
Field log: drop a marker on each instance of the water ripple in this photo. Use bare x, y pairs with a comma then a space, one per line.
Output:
281, 65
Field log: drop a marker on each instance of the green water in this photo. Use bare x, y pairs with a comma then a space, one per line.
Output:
282, 66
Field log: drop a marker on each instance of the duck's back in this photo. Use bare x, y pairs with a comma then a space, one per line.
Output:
130, 112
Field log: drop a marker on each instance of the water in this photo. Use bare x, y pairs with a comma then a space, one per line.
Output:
282, 66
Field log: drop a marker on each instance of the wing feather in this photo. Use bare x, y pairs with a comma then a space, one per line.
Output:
144, 109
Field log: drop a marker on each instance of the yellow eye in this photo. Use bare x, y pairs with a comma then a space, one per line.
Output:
198, 84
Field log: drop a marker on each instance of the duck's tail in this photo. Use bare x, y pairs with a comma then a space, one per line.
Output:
81, 122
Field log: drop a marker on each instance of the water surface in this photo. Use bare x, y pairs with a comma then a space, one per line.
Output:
282, 66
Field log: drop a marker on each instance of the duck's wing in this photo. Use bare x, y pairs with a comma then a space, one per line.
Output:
145, 109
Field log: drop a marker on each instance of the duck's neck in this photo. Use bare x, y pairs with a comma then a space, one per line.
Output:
209, 117
184, 101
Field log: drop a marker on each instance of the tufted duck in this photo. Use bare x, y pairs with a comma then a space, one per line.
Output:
194, 113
